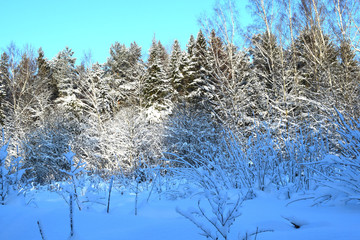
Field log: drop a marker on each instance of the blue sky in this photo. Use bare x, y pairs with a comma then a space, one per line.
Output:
95, 24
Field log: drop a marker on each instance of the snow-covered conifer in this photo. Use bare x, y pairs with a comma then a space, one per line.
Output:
65, 76
156, 87
4, 76
11, 172
198, 85
126, 70
174, 72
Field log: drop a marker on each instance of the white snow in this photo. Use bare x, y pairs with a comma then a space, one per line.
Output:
158, 219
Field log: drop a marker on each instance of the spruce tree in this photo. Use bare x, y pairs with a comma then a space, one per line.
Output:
119, 69
218, 58
125, 69
198, 85
118, 61
222, 74
45, 91
203, 82
26, 89
315, 89
190, 70
156, 87
162, 54
102, 87
96, 93
66, 78
4, 76
174, 72
316, 56
348, 76
44, 71
137, 73
267, 68
266, 58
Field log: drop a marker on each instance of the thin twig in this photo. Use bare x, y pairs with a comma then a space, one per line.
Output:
41, 230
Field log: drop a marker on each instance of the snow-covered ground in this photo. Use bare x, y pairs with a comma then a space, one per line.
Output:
158, 218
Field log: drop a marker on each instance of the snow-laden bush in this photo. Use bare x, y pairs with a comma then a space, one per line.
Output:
214, 223
43, 152
216, 212
263, 161
11, 173
262, 157
343, 173
350, 137
76, 169
114, 145
190, 133
227, 169
306, 148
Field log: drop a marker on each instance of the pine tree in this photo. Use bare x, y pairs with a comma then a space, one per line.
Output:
44, 74
134, 53
137, 72
119, 67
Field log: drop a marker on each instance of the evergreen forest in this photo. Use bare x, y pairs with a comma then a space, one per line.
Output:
252, 105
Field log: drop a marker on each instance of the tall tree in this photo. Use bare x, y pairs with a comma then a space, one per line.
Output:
218, 58
198, 85
126, 71
4, 76
21, 89
96, 94
174, 72
28, 87
66, 78
349, 79
44, 91
156, 87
